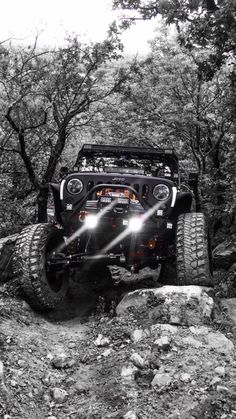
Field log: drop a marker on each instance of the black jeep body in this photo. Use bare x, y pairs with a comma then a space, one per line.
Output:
121, 182
118, 206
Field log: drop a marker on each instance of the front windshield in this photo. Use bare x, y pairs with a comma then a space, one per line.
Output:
122, 165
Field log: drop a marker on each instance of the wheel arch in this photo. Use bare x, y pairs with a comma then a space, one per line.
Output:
183, 204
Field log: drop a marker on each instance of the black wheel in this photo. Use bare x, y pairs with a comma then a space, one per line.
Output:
44, 289
193, 251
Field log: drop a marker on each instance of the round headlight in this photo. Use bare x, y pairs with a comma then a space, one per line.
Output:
161, 192
75, 186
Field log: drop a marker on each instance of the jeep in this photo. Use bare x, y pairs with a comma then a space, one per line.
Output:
121, 206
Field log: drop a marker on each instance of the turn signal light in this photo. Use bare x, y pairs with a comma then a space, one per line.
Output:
152, 244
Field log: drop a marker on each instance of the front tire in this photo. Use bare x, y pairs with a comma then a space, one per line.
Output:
42, 288
193, 251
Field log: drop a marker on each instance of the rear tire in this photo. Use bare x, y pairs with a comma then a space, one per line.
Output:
43, 289
193, 251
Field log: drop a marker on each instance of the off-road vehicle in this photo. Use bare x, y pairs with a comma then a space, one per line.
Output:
118, 206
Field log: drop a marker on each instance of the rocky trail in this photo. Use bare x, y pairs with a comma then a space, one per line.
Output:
137, 350
161, 356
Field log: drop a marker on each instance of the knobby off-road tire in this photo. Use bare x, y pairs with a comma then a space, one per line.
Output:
44, 290
193, 251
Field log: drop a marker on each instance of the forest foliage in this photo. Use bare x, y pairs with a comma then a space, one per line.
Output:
181, 95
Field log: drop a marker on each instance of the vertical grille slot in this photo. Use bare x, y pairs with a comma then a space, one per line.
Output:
145, 191
90, 185
136, 187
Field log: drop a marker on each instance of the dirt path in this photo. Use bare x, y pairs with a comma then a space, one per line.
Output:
78, 363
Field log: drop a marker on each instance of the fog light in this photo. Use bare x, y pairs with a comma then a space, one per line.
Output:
135, 225
91, 221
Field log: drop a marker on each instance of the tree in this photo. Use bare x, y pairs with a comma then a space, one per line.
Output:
207, 24
47, 96
171, 102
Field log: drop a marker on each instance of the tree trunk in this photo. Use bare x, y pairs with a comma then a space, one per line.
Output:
42, 201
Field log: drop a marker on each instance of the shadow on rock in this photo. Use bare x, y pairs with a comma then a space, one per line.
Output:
84, 299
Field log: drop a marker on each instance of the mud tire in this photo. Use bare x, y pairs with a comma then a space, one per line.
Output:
42, 290
193, 260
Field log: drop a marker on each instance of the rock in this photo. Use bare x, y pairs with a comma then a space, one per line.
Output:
71, 345
174, 415
224, 255
82, 386
214, 340
162, 344
107, 352
47, 398
21, 363
183, 305
215, 381
59, 395
161, 380
222, 389
220, 371
1, 372
219, 342
62, 361
232, 268
70, 381
229, 304
128, 372
139, 334
202, 330
101, 341
190, 341
13, 383
130, 415
137, 360
159, 329
185, 377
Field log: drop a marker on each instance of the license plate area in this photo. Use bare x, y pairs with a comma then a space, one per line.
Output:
119, 200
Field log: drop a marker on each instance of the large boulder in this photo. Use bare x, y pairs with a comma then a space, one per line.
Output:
193, 339
224, 255
181, 305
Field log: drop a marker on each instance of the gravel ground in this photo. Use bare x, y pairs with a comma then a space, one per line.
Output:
81, 361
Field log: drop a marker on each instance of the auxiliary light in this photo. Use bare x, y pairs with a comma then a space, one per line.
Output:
91, 221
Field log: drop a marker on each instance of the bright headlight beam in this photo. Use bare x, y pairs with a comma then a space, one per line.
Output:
126, 232
135, 225
91, 221
82, 229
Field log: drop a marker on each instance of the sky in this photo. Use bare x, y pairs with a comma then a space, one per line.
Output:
54, 19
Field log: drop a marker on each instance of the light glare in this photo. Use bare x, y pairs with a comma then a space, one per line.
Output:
135, 225
91, 221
